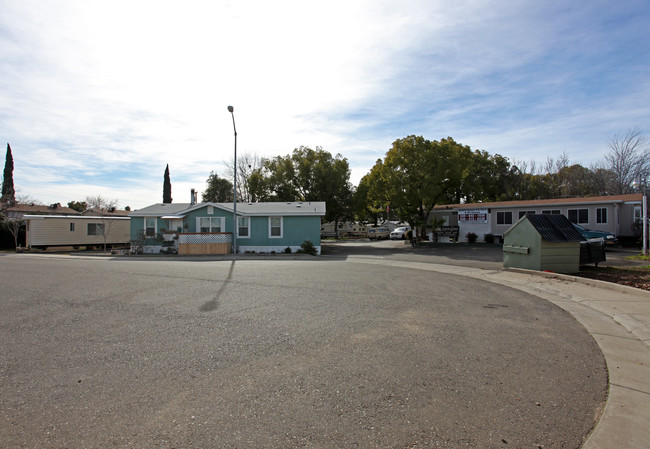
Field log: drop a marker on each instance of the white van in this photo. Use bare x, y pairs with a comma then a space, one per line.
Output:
378, 233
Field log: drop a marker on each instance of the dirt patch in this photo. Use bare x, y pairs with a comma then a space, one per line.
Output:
638, 277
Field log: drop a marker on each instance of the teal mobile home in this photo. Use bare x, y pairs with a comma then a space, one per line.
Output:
261, 227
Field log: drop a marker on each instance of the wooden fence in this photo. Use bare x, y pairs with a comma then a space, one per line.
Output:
192, 244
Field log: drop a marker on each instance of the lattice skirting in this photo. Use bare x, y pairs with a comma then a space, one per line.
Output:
196, 238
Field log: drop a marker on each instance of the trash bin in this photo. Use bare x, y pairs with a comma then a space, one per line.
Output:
592, 251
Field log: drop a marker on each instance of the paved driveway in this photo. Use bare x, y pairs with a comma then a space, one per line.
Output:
318, 353
475, 256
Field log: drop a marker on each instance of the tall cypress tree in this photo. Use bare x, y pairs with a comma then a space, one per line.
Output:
8, 191
167, 187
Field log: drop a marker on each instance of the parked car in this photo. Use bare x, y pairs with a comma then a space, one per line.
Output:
399, 233
378, 233
610, 238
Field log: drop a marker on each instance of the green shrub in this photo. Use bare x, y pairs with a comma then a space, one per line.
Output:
471, 237
307, 247
489, 238
287, 250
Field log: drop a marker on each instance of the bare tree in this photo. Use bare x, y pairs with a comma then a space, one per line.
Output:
525, 167
246, 165
628, 159
104, 209
13, 225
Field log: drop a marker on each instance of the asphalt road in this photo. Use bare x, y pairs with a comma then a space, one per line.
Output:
317, 353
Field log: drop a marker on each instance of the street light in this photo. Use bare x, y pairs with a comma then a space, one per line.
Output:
645, 218
644, 212
234, 184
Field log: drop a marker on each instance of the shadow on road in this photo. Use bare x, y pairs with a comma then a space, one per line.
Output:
213, 304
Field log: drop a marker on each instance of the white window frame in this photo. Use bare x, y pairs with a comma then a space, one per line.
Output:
155, 224
523, 213
248, 227
600, 211
551, 212
210, 210
577, 211
271, 236
211, 228
638, 214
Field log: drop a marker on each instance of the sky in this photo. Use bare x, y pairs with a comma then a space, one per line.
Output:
97, 97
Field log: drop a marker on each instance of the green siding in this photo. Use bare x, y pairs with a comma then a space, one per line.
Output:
137, 224
190, 219
295, 229
523, 234
560, 257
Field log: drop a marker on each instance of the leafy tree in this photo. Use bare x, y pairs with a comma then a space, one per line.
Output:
417, 174
79, 206
167, 187
373, 190
362, 204
219, 190
8, 191
307, 175
492, 178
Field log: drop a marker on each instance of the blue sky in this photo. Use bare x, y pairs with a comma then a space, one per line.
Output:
97, 97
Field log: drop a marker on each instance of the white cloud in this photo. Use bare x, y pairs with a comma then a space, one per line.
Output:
92, 88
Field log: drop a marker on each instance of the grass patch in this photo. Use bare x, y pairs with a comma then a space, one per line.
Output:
638, 257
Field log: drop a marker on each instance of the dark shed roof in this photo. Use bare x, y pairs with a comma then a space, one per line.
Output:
555, 228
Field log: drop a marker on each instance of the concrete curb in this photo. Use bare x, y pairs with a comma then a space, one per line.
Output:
587, 281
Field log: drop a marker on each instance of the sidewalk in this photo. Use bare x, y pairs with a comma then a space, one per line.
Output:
617, 317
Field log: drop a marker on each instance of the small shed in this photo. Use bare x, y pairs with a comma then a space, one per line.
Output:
543, 242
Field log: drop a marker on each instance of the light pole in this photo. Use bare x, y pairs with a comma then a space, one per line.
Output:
644, 212
234, 184
645, 219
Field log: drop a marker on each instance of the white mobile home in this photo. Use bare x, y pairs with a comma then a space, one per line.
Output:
76, 230
620, 214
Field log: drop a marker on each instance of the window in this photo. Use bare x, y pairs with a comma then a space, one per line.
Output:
150, 227
526, 212
209, 224
601, 215
71, 227
275, 227
504, 218
638, 217
242, 227
579, 216
95, 229
552, 212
